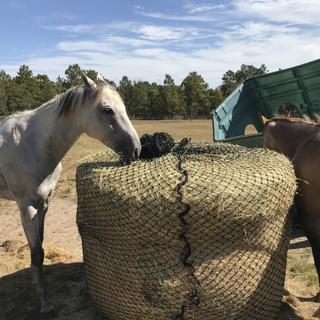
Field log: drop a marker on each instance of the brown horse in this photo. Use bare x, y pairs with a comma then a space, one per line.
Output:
299, 140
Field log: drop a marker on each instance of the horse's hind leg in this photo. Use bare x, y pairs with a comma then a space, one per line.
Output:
311, 226
315, 245
33, 222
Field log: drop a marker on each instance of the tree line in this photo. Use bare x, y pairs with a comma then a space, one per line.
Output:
144, 100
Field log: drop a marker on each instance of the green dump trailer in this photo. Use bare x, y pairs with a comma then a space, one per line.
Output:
294, 91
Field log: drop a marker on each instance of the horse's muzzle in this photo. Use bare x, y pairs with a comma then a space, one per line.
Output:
127, 159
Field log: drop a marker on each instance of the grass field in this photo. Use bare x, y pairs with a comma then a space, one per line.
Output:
196, 129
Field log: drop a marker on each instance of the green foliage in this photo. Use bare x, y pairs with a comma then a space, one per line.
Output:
144, 100
24, 91
24, 75
196, 97
48, 88
231, 79
73, 77
4, 78
139, 100
92, 74
215, 97
126, 89
152, 101
172, 98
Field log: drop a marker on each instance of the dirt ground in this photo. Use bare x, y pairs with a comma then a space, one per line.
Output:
65, 272
63, 266
301, 283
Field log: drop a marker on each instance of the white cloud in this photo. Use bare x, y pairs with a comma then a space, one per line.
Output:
164, 16
291, 11
144, 34
199, 8
71, 46
161, 33
257, 32
286, 11
80, 28
52, 66
277, 50
127, 41
93, 29
155, 53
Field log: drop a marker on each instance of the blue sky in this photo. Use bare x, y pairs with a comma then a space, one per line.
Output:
147, 39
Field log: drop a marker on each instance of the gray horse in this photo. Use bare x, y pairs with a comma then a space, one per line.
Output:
33, 143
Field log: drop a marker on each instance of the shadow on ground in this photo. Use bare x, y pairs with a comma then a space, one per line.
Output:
67, 292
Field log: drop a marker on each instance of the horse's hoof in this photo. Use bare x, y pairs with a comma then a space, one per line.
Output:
46, 309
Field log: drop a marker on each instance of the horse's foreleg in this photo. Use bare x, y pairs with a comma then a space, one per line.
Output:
33, 225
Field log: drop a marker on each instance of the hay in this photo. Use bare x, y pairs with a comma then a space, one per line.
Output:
201, 233
15, 255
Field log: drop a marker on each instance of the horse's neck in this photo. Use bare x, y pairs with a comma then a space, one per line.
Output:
56, 134
294, 136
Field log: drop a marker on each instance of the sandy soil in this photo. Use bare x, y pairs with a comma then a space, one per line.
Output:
60, 225
65, 272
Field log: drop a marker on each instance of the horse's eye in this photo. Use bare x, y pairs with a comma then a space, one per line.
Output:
108, 110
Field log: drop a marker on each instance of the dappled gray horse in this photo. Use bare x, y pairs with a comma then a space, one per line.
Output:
32, 144
299, 140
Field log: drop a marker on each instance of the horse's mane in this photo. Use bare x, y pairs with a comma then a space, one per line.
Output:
292, 120
69, 100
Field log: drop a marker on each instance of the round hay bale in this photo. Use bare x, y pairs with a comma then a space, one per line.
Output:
201, 233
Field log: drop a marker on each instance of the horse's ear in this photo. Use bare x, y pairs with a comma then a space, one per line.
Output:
100, 78
87, 81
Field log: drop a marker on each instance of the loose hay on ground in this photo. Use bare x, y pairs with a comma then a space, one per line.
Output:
17, 256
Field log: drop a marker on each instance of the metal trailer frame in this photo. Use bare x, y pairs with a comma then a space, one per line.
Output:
295, 90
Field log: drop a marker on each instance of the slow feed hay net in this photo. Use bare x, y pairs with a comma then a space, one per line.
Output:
200, 233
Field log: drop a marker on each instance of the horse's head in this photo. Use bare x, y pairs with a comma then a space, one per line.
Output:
105, 118
269, 141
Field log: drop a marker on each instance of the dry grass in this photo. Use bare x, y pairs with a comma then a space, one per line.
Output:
196, 129
301, 268
15, 255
